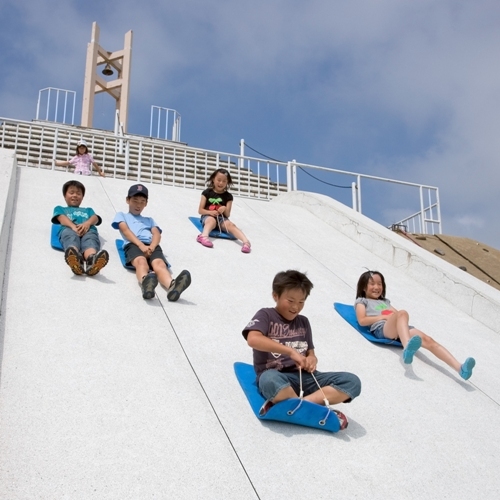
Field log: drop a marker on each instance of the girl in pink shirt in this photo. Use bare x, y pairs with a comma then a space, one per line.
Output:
82, 161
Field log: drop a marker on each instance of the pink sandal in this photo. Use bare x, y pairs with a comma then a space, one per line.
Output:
246, 248
204, 241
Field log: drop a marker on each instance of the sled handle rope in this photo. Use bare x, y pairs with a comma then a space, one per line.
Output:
301, 397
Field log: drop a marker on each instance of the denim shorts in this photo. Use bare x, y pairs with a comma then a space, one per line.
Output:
70, 238
132, 251
273, 381
379, 331
222, 225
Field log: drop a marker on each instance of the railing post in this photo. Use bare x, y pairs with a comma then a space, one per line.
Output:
422, 210
54, 148
438, 208
294, 175
354, 196
289, 186
241, 161
359, 194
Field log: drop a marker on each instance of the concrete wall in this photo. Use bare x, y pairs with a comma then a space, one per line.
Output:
8, 179
470, 295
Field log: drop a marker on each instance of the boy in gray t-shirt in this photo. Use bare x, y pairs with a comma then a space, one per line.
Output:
282, 344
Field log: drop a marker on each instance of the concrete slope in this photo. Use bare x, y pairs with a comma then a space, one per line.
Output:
104, 395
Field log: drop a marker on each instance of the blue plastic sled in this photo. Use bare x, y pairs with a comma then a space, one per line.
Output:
349, 314
290, 411
54, 239
121, 254
215, 233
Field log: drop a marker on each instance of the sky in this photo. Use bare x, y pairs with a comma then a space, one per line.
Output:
408, 90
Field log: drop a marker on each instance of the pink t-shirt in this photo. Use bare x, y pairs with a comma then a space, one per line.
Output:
82, 164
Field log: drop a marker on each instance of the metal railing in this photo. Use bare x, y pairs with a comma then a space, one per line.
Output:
138, 158
55, 103
146, 159
427, 220
166, 120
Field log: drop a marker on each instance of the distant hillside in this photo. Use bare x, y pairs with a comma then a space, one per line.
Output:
476, 258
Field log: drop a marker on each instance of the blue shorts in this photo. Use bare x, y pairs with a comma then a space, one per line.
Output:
220, 222
70, 238
379, 332
273, 381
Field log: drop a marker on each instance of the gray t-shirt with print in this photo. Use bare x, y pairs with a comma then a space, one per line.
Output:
296, 333
374, 307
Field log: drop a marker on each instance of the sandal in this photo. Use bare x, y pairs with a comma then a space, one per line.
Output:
246, 248
148, 285
74, 260
178, 285
204, 241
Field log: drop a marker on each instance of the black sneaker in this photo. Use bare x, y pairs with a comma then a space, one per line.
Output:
74, 260
148, 285
96, 262
178, 285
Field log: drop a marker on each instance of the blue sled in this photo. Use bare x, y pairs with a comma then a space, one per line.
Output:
349, 314
213, 234
54, 239
290, 411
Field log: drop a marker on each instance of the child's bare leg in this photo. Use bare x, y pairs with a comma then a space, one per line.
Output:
162, 272
437, 349
231, 227
89, 252
208, 224
141, 267
396, 326
334, 396
286, 393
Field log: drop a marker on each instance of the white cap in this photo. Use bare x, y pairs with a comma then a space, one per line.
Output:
81, 142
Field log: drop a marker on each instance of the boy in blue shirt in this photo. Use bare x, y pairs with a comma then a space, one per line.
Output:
78, 234
141, 236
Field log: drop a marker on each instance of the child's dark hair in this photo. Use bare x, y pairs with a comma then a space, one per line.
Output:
288, 280
210, 181
76, 184
363, 283
79, 146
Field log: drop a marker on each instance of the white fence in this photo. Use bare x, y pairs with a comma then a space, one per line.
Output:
145, 159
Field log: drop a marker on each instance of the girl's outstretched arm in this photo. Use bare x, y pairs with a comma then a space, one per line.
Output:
365, 320
98, 168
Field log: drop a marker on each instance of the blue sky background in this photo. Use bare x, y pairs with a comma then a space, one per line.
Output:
394, 88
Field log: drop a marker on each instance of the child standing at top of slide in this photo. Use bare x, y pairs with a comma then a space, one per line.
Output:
215, 208
82, 161
373, 309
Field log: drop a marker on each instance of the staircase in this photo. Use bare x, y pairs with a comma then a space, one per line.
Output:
139, 159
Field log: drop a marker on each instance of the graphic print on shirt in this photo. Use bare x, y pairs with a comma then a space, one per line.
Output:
215, 203
279, 332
